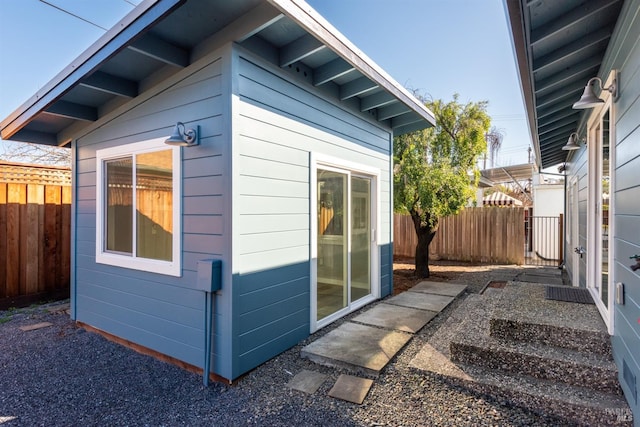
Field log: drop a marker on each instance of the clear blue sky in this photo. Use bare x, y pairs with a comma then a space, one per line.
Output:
439, 47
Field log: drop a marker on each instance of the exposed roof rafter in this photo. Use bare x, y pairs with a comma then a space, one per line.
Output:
376, 100
568, 20
156, 48
73, 111
356, 87
299, 49
331, 70
111, 84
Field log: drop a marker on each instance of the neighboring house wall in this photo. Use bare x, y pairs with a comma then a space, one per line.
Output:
161, 312
548, 200
623, 55
548, 203
277, 124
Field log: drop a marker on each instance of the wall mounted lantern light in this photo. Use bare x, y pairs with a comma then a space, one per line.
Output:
589, 98
572, 143
184, 138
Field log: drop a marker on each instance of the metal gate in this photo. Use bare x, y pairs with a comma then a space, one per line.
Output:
543, 242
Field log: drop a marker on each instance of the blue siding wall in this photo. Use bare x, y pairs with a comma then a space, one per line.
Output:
160, 312
277, 124
625, 56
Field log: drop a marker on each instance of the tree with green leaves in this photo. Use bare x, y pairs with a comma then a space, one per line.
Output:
436, 170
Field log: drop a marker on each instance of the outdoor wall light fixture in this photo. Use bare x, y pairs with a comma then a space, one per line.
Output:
572, 143
184, 138
589, 98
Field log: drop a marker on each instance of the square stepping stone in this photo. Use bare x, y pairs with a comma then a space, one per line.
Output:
35, 326
356, 347
439, 288
395, 317
307, 381
58, 308
421, 301
350, 388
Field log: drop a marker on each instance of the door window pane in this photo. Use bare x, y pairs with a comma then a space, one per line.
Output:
360, 237
604, 202
332, 243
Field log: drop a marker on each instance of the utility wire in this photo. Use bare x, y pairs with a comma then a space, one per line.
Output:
72, 14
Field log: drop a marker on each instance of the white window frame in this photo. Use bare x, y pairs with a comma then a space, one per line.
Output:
171, 268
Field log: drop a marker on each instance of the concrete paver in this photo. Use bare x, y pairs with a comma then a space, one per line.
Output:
356, 347
421, 301
307, 381
439, 288
350, 388
362, 348
395, 317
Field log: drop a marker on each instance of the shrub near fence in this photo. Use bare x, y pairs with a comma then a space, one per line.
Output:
489, 235
35, 224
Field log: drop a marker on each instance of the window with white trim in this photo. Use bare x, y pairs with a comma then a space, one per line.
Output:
138, 207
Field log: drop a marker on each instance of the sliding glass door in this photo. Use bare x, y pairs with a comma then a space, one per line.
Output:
344, 241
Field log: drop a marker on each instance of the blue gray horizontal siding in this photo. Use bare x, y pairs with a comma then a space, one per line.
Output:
277, 124
624, 55
160, 312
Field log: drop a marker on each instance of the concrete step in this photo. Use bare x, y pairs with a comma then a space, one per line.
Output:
576, 387
475, 346
472, 304
591, 341
569, 403
522, 314
543, 362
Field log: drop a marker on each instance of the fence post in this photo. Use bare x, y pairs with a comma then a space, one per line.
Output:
560, 239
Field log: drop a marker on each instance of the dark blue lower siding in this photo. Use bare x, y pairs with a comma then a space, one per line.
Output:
272, 313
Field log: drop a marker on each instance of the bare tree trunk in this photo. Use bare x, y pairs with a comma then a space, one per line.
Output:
425, 236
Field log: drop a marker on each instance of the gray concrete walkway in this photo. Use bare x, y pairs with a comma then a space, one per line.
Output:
370, 340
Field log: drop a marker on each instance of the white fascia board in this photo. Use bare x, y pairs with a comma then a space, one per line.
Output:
305, 16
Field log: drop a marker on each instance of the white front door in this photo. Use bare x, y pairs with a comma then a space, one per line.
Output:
599, 236
574, 238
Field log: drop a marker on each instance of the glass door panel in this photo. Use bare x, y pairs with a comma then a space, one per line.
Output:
360, 237
604, 211
332, 270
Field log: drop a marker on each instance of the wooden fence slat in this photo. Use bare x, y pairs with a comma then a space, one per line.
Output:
35, 198
487, 234
16, 206
3, 239
65, 239
51, 242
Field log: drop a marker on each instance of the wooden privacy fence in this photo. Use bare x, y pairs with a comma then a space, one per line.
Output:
35, 226
489, 234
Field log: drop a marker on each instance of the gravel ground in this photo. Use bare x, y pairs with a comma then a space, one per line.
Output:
64, 376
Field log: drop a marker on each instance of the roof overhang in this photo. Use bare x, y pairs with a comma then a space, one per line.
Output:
161, 37
558, 46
